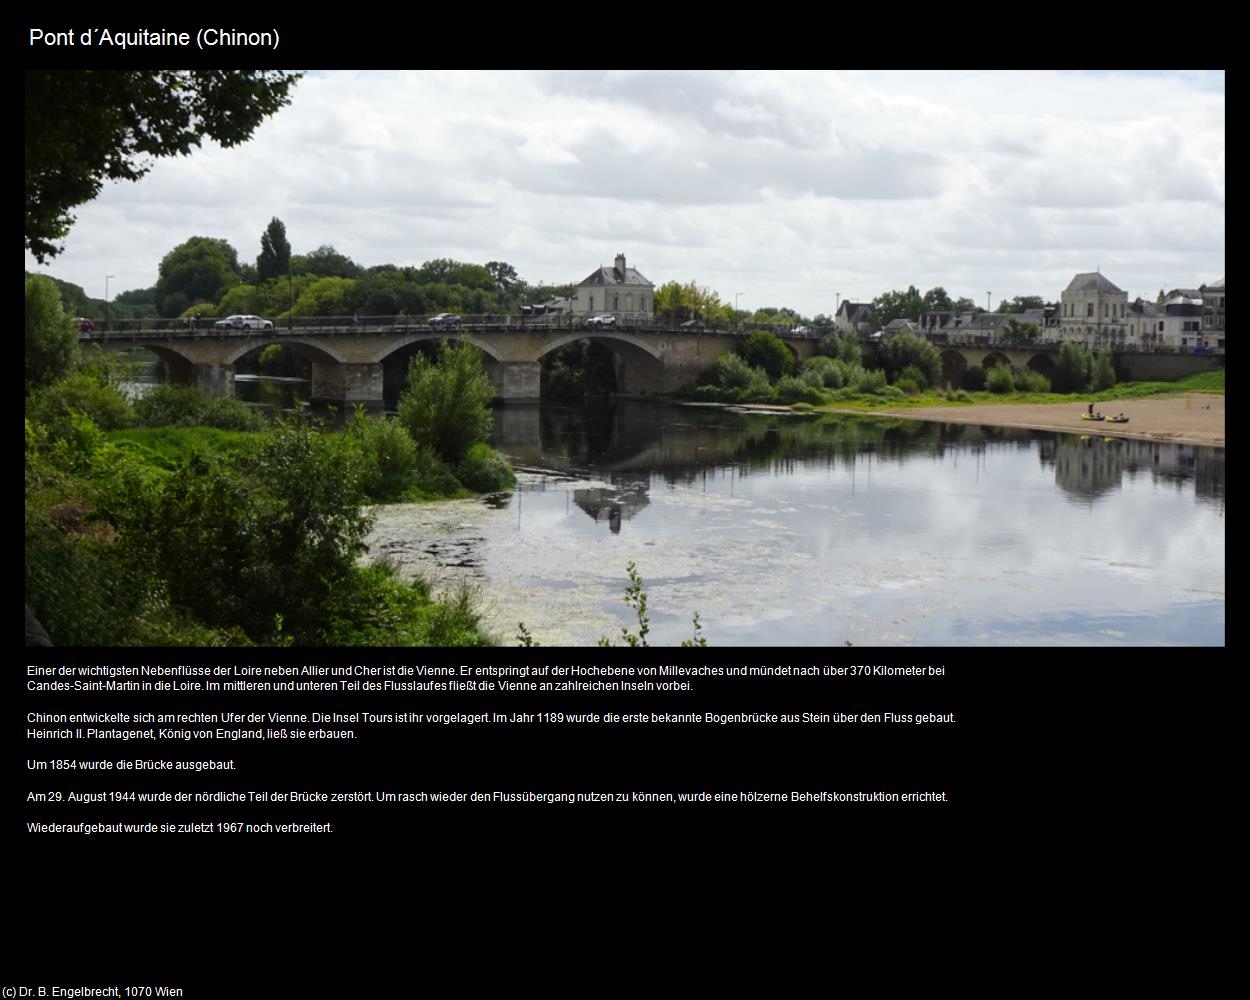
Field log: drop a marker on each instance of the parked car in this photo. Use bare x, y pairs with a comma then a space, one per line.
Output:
694, 324
243, 323
802, 331
445, 319
603, 319
85, 325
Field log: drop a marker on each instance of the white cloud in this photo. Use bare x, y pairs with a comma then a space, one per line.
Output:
786, 186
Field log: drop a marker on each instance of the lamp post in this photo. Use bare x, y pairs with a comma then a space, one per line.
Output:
107, 279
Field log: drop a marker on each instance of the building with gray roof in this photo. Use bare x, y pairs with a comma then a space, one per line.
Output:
620, 290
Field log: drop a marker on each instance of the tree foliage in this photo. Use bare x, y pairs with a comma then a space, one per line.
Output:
906, 349
769, 353
1071, 369
325, 262
446, 406
1103, 374
199, 270
275, 252
937, 300
890, 306
678, 302
84, 127
51, 339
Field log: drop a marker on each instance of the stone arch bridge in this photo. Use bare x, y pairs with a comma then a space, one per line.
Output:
347, 358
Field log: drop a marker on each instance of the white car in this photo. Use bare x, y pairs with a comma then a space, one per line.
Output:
243, 323
604, 319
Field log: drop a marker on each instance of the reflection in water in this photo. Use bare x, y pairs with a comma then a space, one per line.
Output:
812, 530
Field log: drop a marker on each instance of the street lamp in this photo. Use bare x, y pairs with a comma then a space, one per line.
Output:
107, 279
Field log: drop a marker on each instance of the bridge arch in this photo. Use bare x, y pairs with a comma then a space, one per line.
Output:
638, 365
399, 343
1043, 364
995, 358
317, 351
607, 339
954, 364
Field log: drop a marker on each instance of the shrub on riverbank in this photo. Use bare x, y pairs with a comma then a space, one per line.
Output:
141, 538
446, 406
188, 406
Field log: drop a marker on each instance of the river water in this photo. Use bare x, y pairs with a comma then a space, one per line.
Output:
781, 529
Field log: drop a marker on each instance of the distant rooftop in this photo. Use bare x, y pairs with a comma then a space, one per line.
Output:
1092, 281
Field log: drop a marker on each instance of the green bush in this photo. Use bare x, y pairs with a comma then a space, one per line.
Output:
843, 346
1103, 373
387, 453
278, 534
870, 381
916, 375
188, 406
84, 391
958, 396
1071, 368
767, 352
906, 350
832, 373
1027, 380
792, 389
484, 470
999, 379
51, 336
907, 386
446, 406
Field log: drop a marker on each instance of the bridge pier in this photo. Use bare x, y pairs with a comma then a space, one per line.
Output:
214, 378
343, 385
515, 381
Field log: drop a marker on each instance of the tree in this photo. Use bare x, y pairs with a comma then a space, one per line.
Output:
1103, 375
504, 274
446, 407
937, 300
84, 127
199, 270
963, 305
275, 252
769, 353
896, 305
325, 262
905, 349
1022, 302
1014, 330
1072, 368
51, 340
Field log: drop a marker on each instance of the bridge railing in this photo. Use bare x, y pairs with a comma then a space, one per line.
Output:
208, 325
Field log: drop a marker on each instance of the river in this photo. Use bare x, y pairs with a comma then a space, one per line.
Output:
782, 529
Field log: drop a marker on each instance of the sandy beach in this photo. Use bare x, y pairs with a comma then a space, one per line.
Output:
1195, 418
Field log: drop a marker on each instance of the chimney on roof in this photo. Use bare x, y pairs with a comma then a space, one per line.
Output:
620, 264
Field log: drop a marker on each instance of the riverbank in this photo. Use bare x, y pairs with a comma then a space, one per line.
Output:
1194, 418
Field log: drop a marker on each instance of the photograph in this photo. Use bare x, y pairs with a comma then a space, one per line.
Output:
653, 357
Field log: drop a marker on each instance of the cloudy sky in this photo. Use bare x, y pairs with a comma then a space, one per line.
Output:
791, 188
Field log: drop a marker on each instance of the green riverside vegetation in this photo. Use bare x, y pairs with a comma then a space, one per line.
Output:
186, 519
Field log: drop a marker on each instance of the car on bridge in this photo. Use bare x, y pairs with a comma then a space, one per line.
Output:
85, 325
696, 325
603, 319
445, 319
243, 323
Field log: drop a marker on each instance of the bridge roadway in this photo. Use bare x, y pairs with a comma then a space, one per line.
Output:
347, 355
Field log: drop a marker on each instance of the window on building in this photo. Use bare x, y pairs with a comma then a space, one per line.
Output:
616, 303
1089, 310
592, 304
